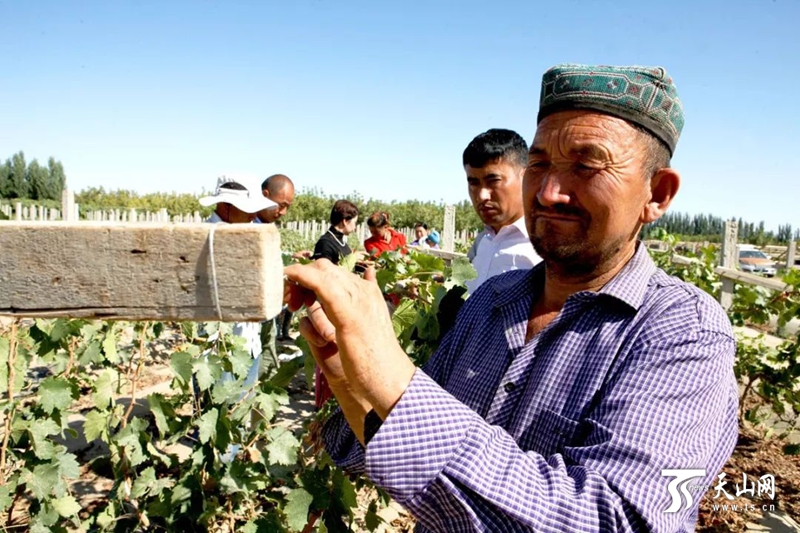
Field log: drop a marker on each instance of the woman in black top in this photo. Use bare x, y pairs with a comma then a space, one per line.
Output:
333, 244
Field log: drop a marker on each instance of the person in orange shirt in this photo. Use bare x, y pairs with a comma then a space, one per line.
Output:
384, 237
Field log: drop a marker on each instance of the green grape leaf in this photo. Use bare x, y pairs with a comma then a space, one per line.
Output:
241, 361
207, 370
181, 364
462, 271
347, 493
403, 317
39, 430
91, 353
296, 509
207, 424
128, 438
42, 481
349, 262
95, 426
283, 448
372, 519
428, 263
66, 506
110, 347
104, 388
61, 328
5, 496
224, 391
162, 412
56, 394
107, 517
143, 483
384, 277
180, 494
4, 352
68, 466
267, 404
37, 525
286, 372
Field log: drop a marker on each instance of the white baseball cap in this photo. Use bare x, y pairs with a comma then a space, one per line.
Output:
244, 194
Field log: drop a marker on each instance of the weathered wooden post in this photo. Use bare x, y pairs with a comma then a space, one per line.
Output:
729, 259
790, 254
68, 211
449, 228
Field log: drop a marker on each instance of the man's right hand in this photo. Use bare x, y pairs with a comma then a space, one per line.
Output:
351, 323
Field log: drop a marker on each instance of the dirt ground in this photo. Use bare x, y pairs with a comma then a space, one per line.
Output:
755, 456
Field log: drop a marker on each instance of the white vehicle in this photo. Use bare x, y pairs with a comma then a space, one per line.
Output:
753, 260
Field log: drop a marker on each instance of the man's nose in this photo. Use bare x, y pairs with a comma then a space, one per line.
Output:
552, 191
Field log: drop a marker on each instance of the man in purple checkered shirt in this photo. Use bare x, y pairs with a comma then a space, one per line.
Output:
563, 392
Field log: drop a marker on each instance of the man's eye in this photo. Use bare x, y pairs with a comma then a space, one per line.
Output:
539, 164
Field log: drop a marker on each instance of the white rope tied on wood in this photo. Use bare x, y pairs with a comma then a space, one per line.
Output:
214, 270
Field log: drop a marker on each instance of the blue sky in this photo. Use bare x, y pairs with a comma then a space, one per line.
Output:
381, 98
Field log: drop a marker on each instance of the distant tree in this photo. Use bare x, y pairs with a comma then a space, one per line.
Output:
784, 234
5, 179
37, 181
19, 175
57, 181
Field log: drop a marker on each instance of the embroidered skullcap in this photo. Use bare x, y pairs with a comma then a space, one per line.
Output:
645, 96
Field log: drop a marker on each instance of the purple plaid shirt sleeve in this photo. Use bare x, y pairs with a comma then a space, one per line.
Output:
571, 430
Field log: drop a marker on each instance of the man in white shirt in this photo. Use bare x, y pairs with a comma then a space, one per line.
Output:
236, 201
495, 162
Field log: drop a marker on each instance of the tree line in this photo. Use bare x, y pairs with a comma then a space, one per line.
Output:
22, 180
707, 227
34, 181
309, 204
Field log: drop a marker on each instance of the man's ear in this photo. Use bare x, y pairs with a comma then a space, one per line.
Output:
664, 186
265, 192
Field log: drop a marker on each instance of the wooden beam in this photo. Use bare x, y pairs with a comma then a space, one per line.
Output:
752, 279
140, 271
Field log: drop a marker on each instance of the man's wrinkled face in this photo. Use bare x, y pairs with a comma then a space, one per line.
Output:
496, 192
584, 188
284, 198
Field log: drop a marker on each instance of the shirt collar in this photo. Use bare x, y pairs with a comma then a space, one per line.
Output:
628, 286
518, 225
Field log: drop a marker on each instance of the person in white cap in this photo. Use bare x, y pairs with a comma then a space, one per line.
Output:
238, 200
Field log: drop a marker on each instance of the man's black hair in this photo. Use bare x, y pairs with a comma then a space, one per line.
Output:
496, 144
233, 186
